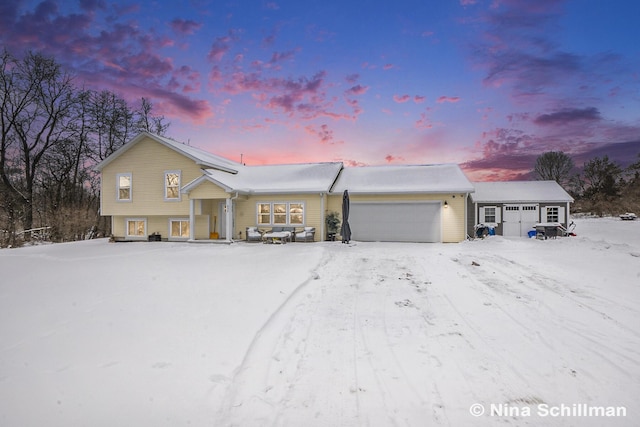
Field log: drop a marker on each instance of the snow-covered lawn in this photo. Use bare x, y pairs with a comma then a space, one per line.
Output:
324, 334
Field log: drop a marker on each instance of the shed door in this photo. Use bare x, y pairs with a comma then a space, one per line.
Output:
395, 222
519, 219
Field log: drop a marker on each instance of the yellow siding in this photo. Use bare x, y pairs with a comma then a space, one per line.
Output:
147, 161
246, 211
160, 225
208, 190
453, 225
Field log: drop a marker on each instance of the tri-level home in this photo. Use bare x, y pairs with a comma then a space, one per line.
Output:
155, 185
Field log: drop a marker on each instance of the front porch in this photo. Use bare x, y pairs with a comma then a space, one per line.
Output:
210, 212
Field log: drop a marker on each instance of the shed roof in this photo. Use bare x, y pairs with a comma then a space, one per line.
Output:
403, 179
519, 192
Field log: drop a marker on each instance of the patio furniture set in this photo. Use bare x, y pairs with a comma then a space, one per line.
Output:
280, 235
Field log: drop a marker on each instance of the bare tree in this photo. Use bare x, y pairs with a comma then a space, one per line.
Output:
148, 122
554, 166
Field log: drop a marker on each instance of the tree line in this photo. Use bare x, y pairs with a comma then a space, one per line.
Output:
601, 186
52, 133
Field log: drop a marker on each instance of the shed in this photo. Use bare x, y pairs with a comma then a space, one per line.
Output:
512, 208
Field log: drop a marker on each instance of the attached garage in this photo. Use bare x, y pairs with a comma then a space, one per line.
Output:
396, 221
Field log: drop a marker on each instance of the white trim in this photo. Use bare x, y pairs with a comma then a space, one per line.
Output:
172, 199
130, 176
135, 236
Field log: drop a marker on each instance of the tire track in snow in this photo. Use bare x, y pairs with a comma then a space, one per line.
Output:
325, 356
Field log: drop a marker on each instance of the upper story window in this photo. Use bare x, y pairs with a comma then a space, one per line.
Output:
123, 182
172, 185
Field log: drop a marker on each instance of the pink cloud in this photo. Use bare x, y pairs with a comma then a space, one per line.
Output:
390, 159
388, 66
452, 99
401, 98
419, 99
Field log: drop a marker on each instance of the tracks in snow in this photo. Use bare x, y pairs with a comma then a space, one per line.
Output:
341, 350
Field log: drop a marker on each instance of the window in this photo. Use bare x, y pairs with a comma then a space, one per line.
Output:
296, 214
179, 228
172, 185
553, 214
264, 213
123, 182
490, 214
136, 227
281, 213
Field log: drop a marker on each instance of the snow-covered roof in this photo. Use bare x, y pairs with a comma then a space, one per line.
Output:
274, 179
519, 192
403, 179
200, 157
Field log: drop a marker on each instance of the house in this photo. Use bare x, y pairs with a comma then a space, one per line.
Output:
514, 207
154, 185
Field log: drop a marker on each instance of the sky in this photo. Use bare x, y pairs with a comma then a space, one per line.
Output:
489, 85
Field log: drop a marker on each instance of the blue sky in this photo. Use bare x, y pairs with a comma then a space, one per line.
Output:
487, 84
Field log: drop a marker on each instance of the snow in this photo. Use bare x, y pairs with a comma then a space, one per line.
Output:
364, 334
391, 179
275, 179
519, 192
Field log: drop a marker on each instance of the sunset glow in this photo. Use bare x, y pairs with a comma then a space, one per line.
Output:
486, 84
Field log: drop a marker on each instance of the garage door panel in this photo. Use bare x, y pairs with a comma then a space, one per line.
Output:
395, 222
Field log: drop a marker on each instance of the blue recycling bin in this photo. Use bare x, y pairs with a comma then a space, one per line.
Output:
532, 234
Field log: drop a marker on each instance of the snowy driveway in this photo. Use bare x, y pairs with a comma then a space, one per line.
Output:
416, 334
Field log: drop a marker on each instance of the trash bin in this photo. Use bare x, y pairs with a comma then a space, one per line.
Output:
155, 237
532, 234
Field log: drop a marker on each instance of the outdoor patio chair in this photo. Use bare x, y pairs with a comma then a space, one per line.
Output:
306, 235
253, 234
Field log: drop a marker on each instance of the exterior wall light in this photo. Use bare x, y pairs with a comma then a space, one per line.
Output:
446, 205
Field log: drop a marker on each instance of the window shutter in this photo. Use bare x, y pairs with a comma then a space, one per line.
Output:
481, 219
561, 218
543, 214
498, 214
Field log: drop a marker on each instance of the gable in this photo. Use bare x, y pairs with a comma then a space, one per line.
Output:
207, 190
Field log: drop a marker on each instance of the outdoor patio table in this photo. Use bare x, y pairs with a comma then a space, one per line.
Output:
277, 237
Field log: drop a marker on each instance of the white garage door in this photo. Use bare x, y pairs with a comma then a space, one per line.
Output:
395, 222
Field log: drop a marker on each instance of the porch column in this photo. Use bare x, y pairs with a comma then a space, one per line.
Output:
228, 211
323, 235
192, 219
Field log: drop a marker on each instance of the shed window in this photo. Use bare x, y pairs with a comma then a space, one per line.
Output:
553, 214
490, 214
